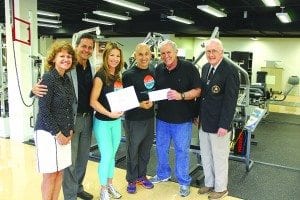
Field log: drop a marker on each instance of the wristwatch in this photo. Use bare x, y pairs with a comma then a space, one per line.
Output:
182, 96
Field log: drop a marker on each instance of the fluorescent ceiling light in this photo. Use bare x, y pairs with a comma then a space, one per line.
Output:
128, 4
46, 13
49, 25
284, 17
211, 10
52, 21
271, 3
97, 21
111, 15
180, 19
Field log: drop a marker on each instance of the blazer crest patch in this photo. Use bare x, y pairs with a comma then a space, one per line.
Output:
215, 89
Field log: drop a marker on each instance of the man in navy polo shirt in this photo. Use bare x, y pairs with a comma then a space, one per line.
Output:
175, 114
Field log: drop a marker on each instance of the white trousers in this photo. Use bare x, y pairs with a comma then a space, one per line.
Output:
214, 155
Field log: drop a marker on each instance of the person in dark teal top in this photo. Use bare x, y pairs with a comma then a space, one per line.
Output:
139, 122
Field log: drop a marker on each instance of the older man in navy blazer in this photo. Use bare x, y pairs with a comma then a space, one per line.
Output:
220, 86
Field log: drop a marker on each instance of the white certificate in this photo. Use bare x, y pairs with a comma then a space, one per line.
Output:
123, 99
158, 95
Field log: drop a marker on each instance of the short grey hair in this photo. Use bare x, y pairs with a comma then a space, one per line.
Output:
170, 42
216, 41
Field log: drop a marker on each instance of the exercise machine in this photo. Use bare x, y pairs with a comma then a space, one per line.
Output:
293, 81
153, 40
4, 112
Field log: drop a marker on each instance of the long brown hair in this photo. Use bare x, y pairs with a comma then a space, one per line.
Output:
117, 76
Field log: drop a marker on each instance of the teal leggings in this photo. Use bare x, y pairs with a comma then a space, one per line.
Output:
108, 136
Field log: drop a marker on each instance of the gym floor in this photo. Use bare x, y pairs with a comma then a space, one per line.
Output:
274, 175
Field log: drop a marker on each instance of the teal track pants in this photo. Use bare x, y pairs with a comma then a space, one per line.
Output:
108, 137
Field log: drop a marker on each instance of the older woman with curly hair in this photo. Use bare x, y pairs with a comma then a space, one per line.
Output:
55, 120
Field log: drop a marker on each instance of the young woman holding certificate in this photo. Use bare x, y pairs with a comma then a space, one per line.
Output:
107, 124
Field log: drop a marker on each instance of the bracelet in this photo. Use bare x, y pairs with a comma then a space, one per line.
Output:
182, 96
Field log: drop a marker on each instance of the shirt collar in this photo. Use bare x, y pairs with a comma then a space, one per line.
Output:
215, 67
178, 64
57, 75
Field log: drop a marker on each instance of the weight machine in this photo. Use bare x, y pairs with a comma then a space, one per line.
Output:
4, 112
3, 75
75, 36
153, 40
293, 81
245, 120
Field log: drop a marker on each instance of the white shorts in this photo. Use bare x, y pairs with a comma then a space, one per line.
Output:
51, 156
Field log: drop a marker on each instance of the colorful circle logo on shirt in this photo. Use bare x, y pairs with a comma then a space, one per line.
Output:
149, 82
118, 85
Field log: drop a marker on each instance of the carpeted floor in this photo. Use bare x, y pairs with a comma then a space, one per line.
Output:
279, 140
285, 103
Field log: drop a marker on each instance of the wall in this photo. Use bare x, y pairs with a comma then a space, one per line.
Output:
276, 49
127, 44
187, 44
285, 50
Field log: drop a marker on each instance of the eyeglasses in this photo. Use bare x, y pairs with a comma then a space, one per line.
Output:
212, 51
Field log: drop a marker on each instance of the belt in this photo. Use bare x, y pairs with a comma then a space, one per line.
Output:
85, 114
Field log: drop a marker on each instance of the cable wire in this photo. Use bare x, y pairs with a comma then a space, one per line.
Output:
18, 80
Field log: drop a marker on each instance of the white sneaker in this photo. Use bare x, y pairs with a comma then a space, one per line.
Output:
113, 192
184, 190
104, 194
155, 179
